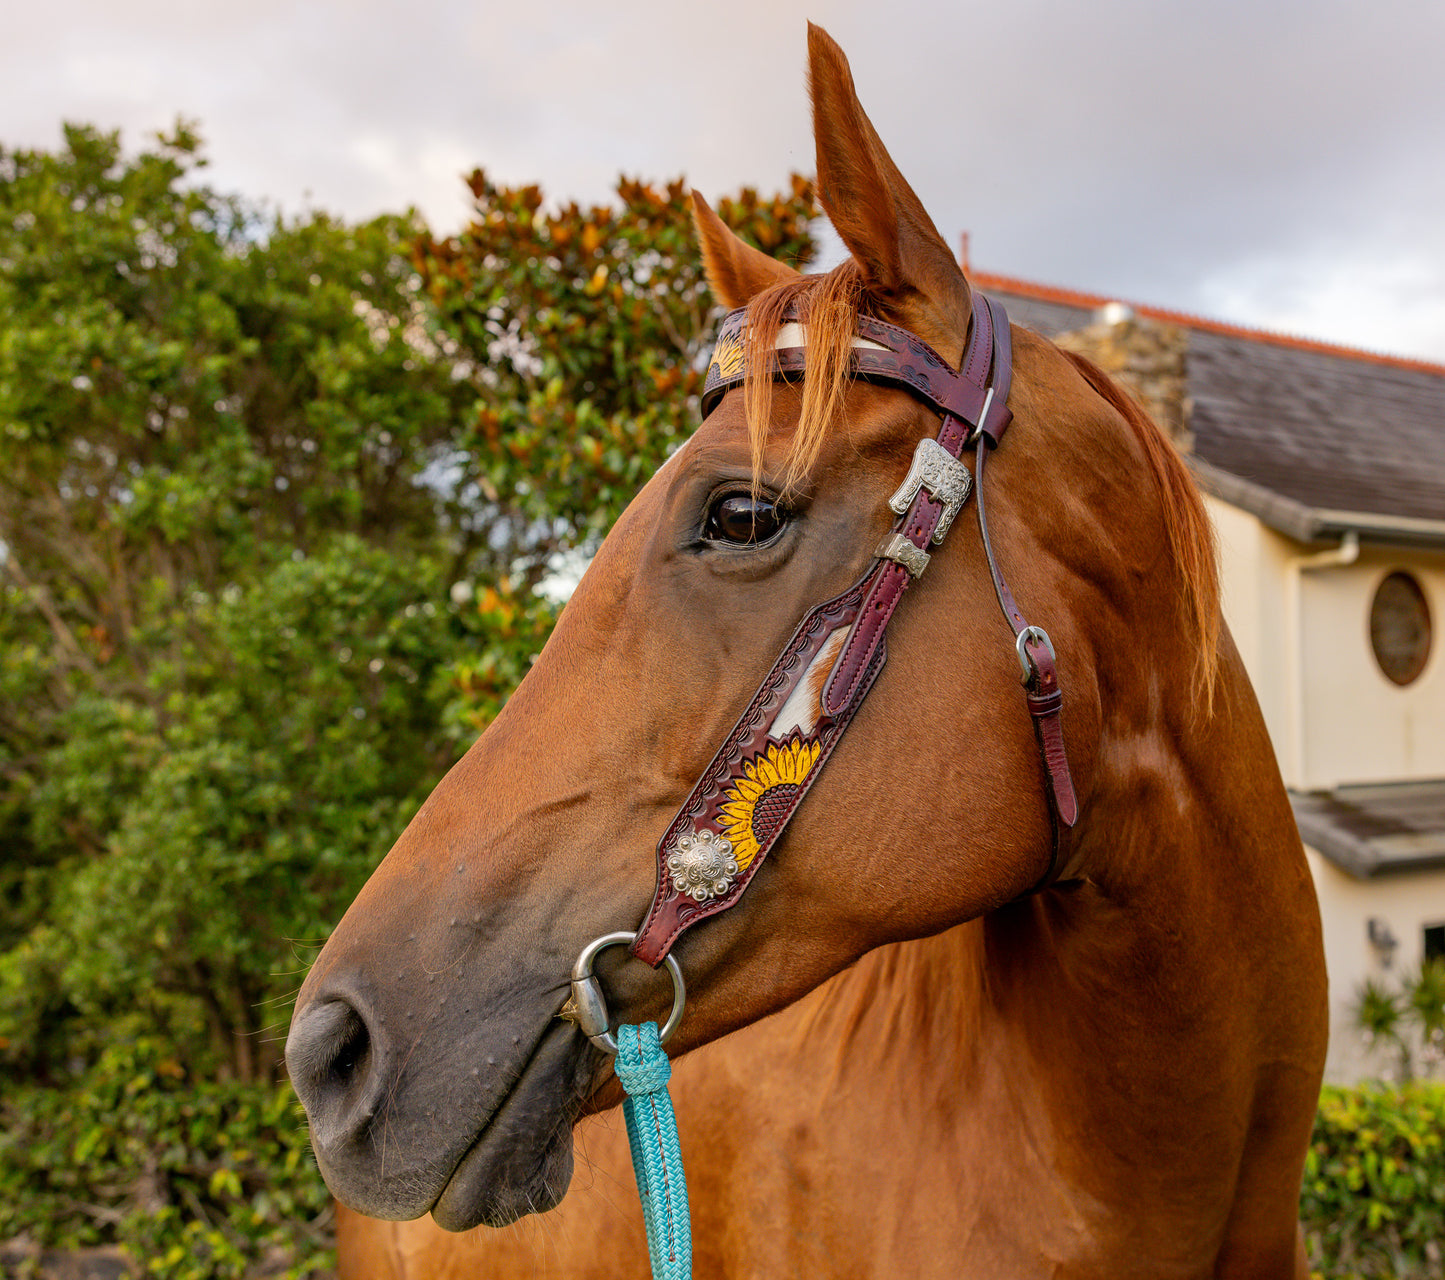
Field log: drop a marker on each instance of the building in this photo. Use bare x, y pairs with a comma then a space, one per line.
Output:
1324, 470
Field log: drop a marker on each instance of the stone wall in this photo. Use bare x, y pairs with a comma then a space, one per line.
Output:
1149, 357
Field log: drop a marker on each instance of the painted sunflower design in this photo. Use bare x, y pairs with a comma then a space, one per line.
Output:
755, 803
728, 355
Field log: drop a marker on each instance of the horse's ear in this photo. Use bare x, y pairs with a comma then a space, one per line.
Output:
736, 271
906, 265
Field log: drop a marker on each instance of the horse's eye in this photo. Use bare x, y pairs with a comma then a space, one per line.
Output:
742, 520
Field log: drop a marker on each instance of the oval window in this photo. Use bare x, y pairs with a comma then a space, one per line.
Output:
1400, 627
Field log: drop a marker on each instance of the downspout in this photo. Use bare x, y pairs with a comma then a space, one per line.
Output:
1332, 557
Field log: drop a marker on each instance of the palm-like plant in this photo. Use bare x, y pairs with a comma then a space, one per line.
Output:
1380, 1014
1399, 1019
1425, 996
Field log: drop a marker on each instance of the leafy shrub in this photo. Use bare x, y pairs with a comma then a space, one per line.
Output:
1374, 1186
195, 1179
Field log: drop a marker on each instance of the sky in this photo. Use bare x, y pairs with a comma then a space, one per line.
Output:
1275, 163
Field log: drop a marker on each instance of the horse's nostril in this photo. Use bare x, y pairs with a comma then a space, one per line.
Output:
353, 1048
329, 1049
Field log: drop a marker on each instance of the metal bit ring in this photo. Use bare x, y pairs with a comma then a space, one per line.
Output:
588, 1006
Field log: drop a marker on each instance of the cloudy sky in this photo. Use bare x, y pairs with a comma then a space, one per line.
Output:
1279, 163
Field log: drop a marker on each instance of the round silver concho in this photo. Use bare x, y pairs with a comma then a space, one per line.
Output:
702, 865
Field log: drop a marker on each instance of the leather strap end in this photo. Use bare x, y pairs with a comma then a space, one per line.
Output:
1056, 768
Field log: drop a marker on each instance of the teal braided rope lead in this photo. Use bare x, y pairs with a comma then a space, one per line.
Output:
643, 1070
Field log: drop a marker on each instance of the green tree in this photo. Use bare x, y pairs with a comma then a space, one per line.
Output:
275, 499
585, 334
215, 428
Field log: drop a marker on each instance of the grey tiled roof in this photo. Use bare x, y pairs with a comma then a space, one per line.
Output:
1375, 830
1314, 440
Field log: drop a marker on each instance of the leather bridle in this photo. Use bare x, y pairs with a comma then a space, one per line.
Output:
744, 799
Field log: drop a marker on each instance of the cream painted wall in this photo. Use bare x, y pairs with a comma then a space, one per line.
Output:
1303, 633
1334, 718
1252, 577
1358, 726
1406, 904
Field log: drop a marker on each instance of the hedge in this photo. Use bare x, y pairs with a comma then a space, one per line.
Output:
1373, 1202
194, 1179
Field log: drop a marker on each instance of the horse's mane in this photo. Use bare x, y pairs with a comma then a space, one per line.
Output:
828, 306
1186, 524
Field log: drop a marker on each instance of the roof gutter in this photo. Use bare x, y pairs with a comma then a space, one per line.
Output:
1313, 524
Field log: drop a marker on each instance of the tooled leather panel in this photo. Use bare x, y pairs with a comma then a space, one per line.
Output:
672, 910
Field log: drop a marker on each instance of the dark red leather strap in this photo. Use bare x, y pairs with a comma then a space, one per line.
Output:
1042, 693
918, 525
906, 362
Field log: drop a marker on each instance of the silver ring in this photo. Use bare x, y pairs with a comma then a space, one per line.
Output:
591, 1005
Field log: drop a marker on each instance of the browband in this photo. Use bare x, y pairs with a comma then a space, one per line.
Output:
893, 358
739, 807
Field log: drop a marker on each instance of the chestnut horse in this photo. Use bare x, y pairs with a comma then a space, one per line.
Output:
908, 1063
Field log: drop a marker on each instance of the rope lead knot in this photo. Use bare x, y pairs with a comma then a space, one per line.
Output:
641, 1065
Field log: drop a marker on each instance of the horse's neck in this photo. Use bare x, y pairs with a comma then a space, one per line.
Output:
1196, 910
916, 1001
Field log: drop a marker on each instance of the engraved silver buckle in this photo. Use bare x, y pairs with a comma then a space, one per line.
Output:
946, 478
899, 549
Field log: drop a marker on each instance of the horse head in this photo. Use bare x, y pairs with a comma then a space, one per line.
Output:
427, 1046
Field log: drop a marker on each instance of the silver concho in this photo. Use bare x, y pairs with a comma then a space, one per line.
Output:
702, 865
944, 476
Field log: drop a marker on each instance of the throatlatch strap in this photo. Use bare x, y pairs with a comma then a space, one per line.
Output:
1042, 692
643, 1070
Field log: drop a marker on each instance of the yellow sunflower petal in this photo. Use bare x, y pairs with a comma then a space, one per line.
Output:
740, 834
746, 789
745, 855
806, 758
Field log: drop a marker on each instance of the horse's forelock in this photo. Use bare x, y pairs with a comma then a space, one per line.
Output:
828, 307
